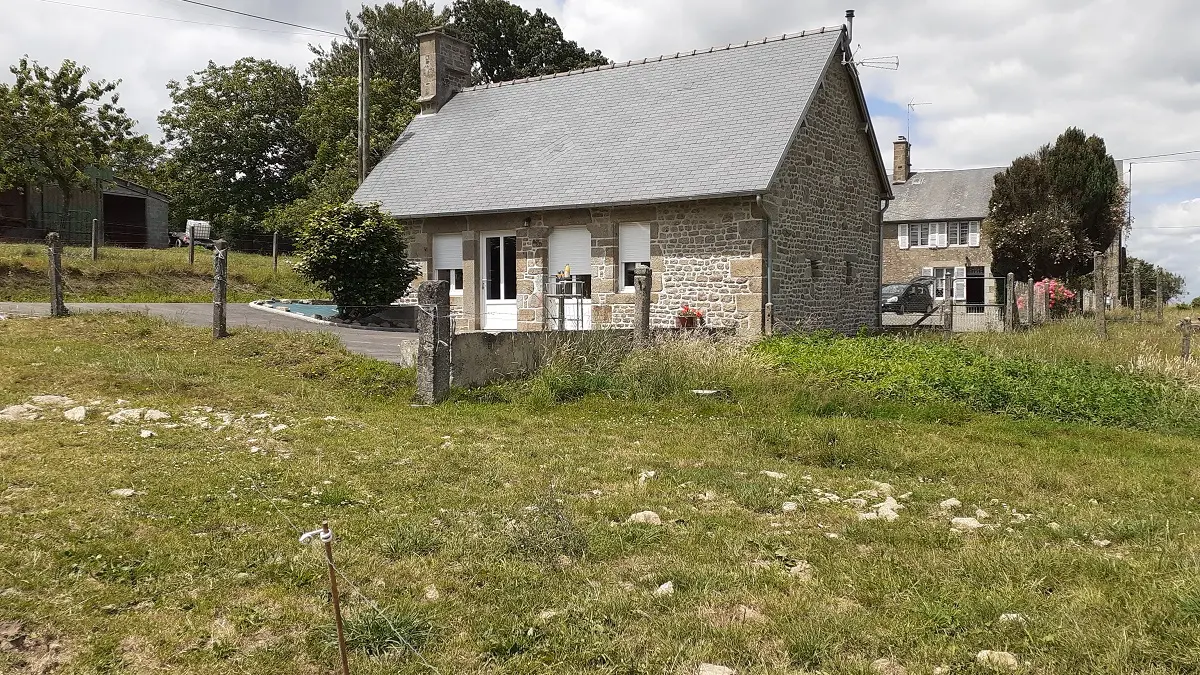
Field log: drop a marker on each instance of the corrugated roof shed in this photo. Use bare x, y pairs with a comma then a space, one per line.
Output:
942, 195
711, 123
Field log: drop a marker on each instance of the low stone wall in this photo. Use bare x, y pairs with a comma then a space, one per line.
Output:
477, 359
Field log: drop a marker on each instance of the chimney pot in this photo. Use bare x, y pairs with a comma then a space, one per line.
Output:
445, 67
902, 166
849, 25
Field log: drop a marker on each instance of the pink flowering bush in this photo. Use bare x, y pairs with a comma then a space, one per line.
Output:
1058, 296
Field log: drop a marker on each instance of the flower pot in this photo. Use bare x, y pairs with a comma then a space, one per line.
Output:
687, 321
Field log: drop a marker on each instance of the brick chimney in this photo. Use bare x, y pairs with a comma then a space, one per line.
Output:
445, 68
902, 168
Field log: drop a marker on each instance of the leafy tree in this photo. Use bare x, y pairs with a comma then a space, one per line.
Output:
234, 142
511, 43
393, 29
358, 254
1148, 275
1052, 209
56, 126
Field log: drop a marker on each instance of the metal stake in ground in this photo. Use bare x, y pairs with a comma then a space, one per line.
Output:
54, 249
326, 537
275, 251
95, 238
220, 274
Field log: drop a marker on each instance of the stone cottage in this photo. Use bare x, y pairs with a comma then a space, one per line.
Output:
746, 176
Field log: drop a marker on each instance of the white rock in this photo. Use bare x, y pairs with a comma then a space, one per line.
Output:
276, 428
645, 518
965, 524
152, 415
666, 589
432, 594
856, 503
886, 666
330, 418
888, 508
19, 413
997, 660
125, 415
774, 474
77, 414
123, 492
1055, 527
802, 570
789, 507
55, 401
884, 488
645, 476
547, 614
146, 433
868, 515
1101, 543
941, 670
949, 504
832, 535
713, 669
261, 416
982, 515
1011, 618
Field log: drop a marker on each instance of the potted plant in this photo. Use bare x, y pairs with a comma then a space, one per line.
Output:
689, 317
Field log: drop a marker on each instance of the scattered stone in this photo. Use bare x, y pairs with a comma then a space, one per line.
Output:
19, 413
789, 507
941, 670
886, 666
713, 669
54, 401
547, 614
868, 515
965, 524
832, 535
708, 496
997, 660
646, 475
123, 493
276, 428
1011, 618
665, 589
431, 594
76, 414
887, 509
1101, 543
331, 418
949, 504
884, 488
645, 518
856, 503
125, 415
146, 433
152, 415
982, 515
261, 416
802, 570
1054, 527
774, 474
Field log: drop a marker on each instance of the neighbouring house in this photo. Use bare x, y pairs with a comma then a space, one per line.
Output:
746, 176
127, 214
933, 228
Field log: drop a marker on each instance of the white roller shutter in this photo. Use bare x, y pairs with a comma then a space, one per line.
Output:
570, 246
902, 234
634, 242
973, 234
447, 251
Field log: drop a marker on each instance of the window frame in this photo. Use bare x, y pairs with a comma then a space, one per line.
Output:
454, 275
915, 241
960, 229
622, 262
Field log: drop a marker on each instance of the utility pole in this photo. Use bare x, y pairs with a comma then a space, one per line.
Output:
364, 107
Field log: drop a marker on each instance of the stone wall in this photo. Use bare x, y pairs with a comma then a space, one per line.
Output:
824, 210
477, 359
902, 264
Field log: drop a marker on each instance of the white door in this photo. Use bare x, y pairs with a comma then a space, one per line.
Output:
499, 281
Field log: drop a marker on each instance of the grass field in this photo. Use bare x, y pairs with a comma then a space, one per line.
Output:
144, 275
491, 532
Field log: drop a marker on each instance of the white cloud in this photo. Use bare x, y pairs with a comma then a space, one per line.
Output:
1002, 77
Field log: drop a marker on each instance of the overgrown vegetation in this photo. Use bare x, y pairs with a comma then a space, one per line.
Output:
144, 275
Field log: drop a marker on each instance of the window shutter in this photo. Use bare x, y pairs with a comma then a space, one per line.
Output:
926, 271
943, 238
634, 244
902, 234
960, 283
447, 251
570, 246
973, 237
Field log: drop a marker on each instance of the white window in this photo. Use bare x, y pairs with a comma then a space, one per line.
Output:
448, 260
918, 235
571, 260
959, 233
634, 247
940, 275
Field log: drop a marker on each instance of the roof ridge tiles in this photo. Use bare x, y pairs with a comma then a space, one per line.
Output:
650, 59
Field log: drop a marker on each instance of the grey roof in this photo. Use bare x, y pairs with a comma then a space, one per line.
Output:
688, 126
938, 195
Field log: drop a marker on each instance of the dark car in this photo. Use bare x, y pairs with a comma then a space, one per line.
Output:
911, 296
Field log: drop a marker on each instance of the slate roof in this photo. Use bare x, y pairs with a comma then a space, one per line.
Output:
942, 195
699, 124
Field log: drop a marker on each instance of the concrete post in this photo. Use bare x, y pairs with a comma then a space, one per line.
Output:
1098, 288
95, 238
769, 319
191, 235
1158, 298
433, 346
1185, 349
1029, 303
642, 283
948, 304
1136, 276
220, 276
54, 249
275, 251
1010, 302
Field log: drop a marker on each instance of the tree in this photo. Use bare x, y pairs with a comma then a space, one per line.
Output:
235, 144
358, 254
1050, 210
1147, 273
510, 43
57, 126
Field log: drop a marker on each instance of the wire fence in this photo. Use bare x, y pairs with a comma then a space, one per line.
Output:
79, 229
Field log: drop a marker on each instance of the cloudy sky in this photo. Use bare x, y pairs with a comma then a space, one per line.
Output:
1000, 77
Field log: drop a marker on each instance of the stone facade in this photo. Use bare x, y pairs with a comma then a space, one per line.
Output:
902, 264
824, 211
445, 68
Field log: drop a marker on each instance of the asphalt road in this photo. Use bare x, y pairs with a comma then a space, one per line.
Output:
384, 345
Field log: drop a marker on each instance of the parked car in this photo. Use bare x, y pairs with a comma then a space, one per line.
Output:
911, 296
181, 239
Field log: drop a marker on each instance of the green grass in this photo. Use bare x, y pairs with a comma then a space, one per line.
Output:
145, 275
514, 510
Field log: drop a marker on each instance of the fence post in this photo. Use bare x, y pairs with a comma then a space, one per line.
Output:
1098, 302
1137, 293
948, 304
433, 346
1158, 298
1029, 303
1185, 349
54, 249
191, 235
769, 319
275, 251
1010, 302
220, 275
95, 238
642, 277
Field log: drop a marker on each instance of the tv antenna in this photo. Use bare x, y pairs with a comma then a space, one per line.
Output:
912, 106
880, 62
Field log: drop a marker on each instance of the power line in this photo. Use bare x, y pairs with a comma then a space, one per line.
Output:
171, 18
261, 18
1165, 154
1167, 161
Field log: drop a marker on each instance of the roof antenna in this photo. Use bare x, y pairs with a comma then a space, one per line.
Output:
912, 105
